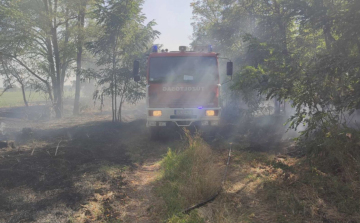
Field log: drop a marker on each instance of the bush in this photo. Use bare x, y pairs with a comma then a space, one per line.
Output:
334, 157
335, 150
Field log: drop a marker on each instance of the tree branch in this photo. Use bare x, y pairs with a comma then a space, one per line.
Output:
64, 22
32, 72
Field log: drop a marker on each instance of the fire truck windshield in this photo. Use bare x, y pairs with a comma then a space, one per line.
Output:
190, 69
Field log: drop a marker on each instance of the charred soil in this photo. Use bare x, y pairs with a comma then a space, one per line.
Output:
79, 169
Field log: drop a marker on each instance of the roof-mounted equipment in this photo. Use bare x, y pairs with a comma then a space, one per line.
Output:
203, 49
182, 48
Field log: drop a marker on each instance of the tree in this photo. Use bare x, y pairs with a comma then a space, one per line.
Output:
21, 39
304, 51
81, 8
37, 35
12, 75
123, 38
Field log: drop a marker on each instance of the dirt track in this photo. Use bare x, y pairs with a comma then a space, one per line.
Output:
80, 169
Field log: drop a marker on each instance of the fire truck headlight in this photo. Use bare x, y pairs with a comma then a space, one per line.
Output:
156, 113
210, 113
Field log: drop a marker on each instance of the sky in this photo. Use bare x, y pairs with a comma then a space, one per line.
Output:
173, 18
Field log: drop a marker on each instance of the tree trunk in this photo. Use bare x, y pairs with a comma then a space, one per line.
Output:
114, 77
329, 39
53, 49
81, 24
114, 90
18, 78
102, 102
52, 69
76, 110
58, 104
65, 63
24, 95
282, 24
112, 99
120, 108
49, 90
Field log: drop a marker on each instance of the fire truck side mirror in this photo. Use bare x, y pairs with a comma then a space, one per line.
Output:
136, 70
229, 68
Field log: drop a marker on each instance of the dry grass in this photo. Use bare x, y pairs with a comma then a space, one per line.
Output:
267, 188
263, 187
204, 179
190, 176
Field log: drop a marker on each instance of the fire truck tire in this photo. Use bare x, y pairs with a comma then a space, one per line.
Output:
154, 133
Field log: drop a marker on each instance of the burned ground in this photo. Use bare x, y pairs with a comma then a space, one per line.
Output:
60, 170
86, 168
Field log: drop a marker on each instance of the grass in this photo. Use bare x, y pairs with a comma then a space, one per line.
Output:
112, 171
189, 176
264, 188
323, 186
15, 98
193, 217
100, 208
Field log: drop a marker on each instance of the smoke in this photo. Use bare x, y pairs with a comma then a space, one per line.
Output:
2, 128
258, 130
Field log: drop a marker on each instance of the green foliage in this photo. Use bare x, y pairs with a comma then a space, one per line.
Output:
335, 151
176, 169
306, 52
124, 38
40, 41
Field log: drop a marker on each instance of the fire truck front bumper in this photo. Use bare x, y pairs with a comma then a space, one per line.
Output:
183, 116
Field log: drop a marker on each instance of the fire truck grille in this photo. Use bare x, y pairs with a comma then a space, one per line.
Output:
174, 105
183, 117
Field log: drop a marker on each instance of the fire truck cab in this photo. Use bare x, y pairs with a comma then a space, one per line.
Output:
183, 87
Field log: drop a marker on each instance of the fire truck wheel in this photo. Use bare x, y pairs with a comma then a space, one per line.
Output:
154, 133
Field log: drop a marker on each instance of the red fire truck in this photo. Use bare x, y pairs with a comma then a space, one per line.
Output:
182, 87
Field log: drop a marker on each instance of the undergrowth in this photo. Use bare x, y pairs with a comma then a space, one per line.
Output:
322, 184
189, 176
319, 183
